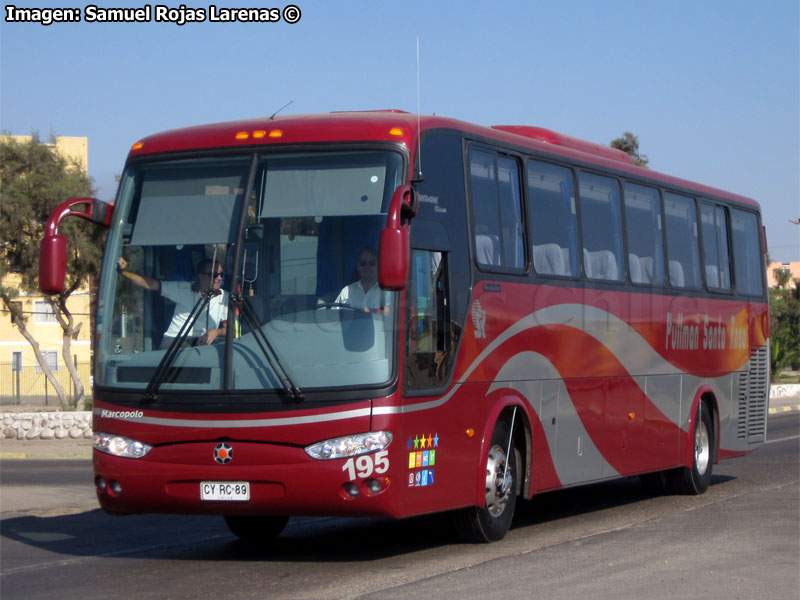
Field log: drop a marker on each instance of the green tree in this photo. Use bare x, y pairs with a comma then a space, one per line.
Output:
784, 304
782, 276
33, 181
629, 144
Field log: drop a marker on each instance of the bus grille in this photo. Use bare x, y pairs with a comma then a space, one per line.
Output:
754, 398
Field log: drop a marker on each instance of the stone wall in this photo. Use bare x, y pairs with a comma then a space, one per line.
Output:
47, 425
784, 390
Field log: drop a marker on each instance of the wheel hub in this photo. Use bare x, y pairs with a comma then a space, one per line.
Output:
702, 450
498, 482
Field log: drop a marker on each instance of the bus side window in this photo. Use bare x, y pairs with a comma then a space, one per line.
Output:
682, 251
554, 222
644, 235
601, 228
716, 258
747, 256
496, 210
429, 344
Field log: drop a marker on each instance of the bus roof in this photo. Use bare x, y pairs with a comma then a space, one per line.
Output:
403, 127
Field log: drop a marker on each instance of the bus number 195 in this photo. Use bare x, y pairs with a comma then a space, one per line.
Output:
366, 465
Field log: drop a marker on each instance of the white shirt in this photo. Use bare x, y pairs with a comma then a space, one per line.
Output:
355, 296
181, 293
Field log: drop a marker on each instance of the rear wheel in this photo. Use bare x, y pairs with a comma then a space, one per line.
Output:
695, 480
491, 522
256, 529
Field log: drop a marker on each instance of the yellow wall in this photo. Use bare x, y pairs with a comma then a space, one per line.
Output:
76, 148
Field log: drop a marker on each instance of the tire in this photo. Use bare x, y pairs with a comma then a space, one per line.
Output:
491, 522
256, 529
695, 480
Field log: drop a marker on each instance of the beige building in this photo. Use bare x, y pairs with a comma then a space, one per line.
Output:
20, 374
792, 267
74, 148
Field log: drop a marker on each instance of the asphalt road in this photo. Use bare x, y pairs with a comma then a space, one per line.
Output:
739, 540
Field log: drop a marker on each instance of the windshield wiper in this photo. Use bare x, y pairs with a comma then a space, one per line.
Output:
273, 358
151, 393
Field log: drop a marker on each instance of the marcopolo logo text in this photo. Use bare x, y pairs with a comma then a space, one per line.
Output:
121, 414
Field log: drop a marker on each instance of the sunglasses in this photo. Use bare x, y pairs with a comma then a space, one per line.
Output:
214, 275
366, 263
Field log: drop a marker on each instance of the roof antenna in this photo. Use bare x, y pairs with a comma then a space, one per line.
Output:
279, 110
418, 176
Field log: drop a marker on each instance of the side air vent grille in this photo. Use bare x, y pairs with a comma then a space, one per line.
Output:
754, 398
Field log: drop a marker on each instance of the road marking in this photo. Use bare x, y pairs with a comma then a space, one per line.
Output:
786, 439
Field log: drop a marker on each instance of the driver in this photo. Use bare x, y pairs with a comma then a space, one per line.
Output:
211, 324
365, 293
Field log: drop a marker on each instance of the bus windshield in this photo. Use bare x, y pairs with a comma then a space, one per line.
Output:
303, 309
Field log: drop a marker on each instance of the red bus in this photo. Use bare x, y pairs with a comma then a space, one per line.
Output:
546, 315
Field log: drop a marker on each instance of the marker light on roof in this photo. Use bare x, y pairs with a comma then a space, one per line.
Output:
276, 133
137, 145
259, 133
242, 135
396, 131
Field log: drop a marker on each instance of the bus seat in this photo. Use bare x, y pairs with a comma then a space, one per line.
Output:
646, 269
636, 268
548, 259
601, 265
569, 268
712, 276
587, 264
487, 249
676, 277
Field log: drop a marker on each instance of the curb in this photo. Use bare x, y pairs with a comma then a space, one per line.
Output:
36, 456
784, 409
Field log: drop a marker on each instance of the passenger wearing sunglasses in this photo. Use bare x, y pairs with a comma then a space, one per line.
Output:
211, 324
365, 293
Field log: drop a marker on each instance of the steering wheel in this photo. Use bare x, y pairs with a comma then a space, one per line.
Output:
330, 305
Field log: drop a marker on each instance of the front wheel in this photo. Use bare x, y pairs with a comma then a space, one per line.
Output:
256, 529
695, 480
491, 522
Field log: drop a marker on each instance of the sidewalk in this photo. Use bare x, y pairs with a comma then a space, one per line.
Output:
45, 449
82, 448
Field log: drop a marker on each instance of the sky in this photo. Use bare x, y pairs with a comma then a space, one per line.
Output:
710, 87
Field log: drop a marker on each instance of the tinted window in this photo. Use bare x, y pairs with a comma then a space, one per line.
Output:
554, 222
683, 264
645, 238
747, 257
429, 341
601, 228
496, 210
715, 246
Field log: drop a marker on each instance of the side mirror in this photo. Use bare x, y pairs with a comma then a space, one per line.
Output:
394, 243
393, 259
53, 249
52, 264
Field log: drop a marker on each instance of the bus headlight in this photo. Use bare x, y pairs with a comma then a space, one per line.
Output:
350, 445
118, 445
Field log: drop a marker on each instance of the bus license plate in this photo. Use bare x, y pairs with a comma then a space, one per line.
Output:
236, 491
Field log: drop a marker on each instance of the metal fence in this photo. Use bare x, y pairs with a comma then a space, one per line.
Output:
26, 385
